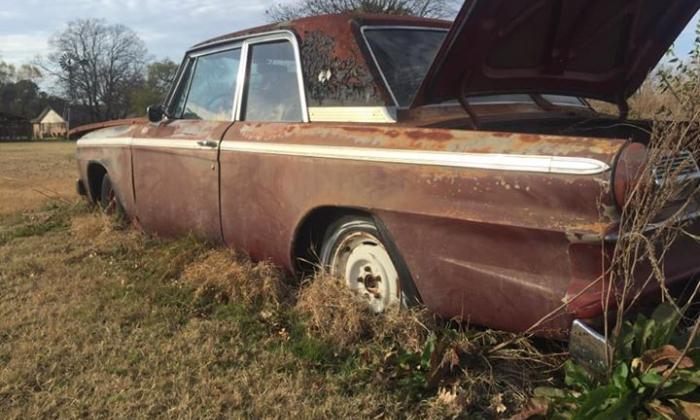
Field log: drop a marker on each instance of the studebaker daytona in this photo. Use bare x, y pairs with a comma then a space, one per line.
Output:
453, 164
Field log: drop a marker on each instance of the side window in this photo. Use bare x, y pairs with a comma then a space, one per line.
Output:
208, 87
272, 88
177, 106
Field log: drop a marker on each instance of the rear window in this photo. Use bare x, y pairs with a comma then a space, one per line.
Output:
404, 57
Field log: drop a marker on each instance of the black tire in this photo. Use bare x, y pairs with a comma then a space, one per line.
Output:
109, 200
348, 225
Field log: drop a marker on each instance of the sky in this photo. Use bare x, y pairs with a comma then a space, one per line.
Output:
168, 27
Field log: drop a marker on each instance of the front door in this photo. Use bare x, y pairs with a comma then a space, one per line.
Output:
176, 173
272, 102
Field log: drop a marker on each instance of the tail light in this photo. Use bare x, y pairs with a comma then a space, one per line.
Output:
628, 170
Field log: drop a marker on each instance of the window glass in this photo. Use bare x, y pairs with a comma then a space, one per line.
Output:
404, 56
213, 87
565, 100
177, 106
272, 89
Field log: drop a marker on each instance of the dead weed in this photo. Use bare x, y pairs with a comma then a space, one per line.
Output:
222, 276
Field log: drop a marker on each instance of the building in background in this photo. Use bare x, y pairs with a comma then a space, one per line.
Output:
49, 124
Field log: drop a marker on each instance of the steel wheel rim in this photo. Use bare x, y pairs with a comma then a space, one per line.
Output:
364, 264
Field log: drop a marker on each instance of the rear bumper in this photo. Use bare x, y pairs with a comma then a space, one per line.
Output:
80, 188
588, 347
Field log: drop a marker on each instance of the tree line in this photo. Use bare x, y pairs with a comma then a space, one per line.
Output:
95, 71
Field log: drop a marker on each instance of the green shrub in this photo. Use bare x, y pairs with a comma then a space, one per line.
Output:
650, 378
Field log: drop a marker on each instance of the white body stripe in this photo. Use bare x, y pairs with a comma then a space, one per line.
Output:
491, 161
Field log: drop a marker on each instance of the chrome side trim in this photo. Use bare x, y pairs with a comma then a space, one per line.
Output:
488, 161
521, 163
588, 347
109, 142
374, 57
365, 114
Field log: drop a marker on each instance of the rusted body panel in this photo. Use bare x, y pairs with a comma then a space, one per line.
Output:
177, 181
452, 226
490, 228
497, 248
115, 159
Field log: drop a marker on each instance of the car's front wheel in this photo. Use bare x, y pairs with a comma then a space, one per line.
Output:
354, 252
109, 202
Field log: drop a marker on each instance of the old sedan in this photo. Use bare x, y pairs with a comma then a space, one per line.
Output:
454, 165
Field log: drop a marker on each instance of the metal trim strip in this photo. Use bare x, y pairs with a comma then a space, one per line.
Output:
521, 163
487, 161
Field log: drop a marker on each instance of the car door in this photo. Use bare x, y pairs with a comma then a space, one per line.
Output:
175, 161
254, 216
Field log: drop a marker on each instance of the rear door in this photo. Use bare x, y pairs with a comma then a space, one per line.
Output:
176, 174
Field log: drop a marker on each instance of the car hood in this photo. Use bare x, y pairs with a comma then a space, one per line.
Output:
600, 49
82, 130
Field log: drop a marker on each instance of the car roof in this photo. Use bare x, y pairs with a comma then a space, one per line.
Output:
318, 23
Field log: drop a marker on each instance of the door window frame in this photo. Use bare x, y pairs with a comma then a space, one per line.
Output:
191, 61
242, 76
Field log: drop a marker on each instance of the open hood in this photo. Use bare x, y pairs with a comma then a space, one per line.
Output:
601, 49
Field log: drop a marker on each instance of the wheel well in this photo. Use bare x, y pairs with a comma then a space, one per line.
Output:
308, 238
95, 173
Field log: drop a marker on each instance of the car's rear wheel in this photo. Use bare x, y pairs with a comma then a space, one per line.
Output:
109, 202
353, 250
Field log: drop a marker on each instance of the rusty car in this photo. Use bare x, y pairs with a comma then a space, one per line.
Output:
458, 165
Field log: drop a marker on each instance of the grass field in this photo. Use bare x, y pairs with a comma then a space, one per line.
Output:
29, 172
98, 320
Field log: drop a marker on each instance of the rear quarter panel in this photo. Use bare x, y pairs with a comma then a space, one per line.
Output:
485, 245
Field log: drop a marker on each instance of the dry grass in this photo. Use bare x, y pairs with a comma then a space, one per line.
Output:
29, 172
221, 276
97, 320
108, 327
342, 318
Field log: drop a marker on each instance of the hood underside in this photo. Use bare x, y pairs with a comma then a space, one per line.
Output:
601, 49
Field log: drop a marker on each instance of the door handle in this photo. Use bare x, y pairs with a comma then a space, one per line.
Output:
207, 143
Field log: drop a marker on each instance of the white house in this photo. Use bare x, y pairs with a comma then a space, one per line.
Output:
49, 124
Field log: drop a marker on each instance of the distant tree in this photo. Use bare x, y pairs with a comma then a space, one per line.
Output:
29, 72
10, 74
7, 73
303, 8
159, 77
97, 65
24, 98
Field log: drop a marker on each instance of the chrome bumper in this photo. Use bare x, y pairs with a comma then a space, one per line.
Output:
588, 347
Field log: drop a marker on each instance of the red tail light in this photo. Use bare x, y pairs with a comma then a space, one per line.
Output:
628, 170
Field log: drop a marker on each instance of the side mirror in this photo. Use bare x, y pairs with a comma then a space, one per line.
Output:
155, 113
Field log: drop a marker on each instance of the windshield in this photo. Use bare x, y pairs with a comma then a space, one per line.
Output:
404, 56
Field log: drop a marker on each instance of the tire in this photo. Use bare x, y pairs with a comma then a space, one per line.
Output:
355, 251
109, 201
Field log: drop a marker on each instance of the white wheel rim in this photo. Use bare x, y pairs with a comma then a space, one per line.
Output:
364, 264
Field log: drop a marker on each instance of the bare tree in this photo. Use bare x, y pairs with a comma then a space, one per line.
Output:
303, 8
98, 65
